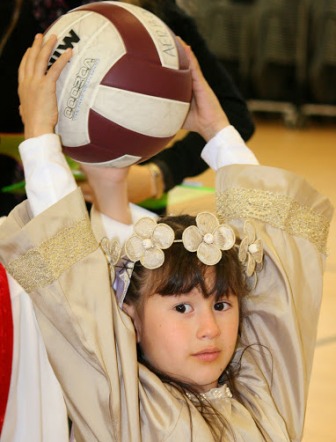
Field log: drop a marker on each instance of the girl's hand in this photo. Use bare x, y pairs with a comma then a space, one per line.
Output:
37, 87
206, 115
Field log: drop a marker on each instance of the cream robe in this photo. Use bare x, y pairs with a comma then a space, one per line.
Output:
91, 342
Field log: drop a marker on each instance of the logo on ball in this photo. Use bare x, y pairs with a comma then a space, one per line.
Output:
79, 86
68, 42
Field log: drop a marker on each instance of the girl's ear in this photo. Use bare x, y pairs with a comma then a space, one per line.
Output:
132, 312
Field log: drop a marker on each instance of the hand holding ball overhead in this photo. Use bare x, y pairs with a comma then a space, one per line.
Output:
127, 88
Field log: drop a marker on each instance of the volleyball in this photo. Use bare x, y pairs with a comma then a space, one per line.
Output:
126, 91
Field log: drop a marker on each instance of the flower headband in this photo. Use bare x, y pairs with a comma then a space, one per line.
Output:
208, 239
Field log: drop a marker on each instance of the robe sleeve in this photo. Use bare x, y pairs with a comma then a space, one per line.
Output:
280, 315
57, 260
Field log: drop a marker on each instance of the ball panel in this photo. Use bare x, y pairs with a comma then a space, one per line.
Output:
138, 75
110, 141
131, 110
137, 42
161, 35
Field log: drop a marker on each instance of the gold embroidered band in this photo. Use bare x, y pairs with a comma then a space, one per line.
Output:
41, 266
278, 210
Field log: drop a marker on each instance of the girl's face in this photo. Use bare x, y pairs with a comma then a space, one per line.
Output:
188, 337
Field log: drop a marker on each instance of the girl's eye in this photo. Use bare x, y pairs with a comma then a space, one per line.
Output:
222, 306
183, 308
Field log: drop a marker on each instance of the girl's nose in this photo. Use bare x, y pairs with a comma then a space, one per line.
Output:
208, 327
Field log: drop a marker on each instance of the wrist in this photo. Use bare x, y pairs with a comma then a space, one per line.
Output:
214, 128
37, 132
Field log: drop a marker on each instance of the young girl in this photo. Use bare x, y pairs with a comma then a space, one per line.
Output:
192, 354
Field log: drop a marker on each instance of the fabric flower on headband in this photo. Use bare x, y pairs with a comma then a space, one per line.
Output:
148, 241
208, 238
251, 250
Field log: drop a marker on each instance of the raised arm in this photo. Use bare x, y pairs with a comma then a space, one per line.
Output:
48, 177
281, 211
291, 220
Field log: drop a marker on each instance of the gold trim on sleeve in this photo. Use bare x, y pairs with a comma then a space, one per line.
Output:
42, 265
276, 209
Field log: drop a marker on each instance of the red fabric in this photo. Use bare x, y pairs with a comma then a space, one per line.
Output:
6, 343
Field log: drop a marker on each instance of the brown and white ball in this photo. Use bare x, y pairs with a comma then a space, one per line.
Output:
127, 89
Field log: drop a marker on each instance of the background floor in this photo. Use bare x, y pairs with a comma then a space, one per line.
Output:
311, 153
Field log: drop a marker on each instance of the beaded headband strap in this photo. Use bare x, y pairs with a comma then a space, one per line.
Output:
208, 239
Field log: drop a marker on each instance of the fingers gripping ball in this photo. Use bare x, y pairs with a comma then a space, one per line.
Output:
127, 89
